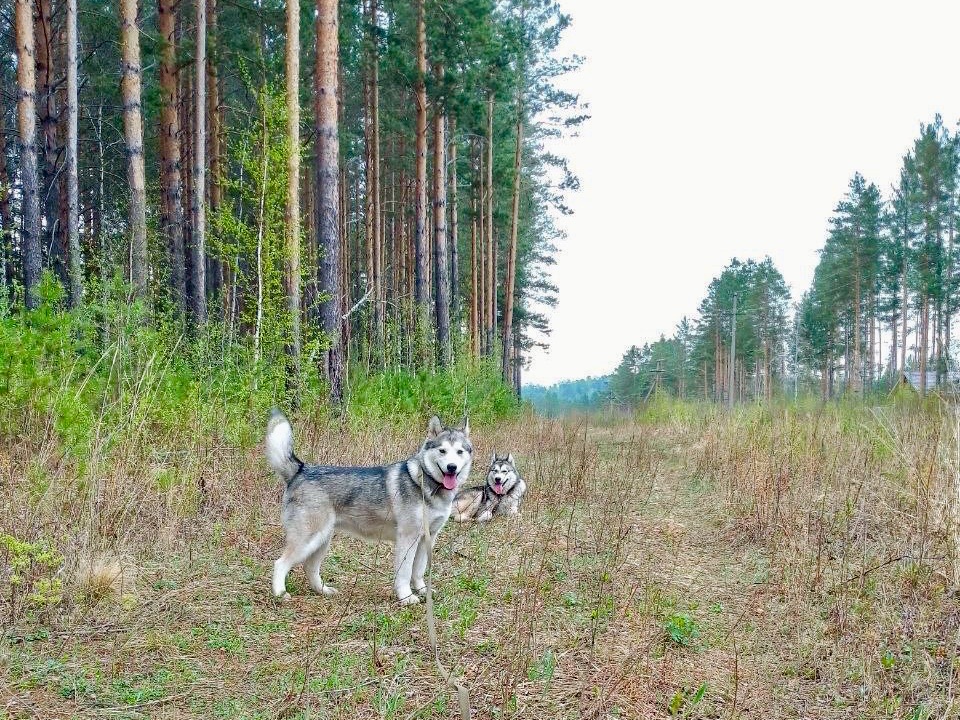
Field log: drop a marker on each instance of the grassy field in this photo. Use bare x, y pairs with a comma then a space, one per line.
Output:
773, 563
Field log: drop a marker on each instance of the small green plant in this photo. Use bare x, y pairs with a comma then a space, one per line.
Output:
888, 660
681, 629
29, 583
684, 700
544, 668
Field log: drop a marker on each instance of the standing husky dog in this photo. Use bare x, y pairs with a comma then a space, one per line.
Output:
372, 503
500, 496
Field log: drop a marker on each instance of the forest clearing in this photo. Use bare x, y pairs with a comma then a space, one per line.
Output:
361, 213
779, 562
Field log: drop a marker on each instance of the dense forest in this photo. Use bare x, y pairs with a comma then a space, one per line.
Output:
881, 304
351, 187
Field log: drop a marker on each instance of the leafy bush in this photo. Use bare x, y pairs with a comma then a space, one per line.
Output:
102, 375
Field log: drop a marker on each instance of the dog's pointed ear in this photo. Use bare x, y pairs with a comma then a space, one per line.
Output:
510, 460
434, 428
493, 458
466, 425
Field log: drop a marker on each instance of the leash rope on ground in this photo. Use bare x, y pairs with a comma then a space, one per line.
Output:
463, 697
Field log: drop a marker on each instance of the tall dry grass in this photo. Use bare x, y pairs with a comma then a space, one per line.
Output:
775, 562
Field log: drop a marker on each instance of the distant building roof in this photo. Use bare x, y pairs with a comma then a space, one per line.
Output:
951, 377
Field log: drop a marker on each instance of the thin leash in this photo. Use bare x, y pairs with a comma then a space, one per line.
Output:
463, 697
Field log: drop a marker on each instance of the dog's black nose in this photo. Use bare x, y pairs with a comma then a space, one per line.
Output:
451, 468
498, 480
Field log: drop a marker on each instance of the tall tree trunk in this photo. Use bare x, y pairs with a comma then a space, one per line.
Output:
328, 201
27, 126
510, 288
491, 293
171, 219
261, 224
872, 347
47, 108
904, 310
185, 110
474, 287
947, 308
292, 224
6, 225
73, 219
856, 376
421, 298
483, 307
441, 268
130, 81
454, 232
374, 190
924, 340
198, 302
216, 270
894, 322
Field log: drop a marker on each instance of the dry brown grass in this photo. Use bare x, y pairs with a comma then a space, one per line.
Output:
801, 558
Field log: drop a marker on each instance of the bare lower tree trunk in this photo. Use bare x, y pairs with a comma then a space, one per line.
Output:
421, 298
454, 232
292, 224
855, 380
947, 307
903, 309
198, 302
474, 288
482, 308
27, 126
130, 82
261, 224
924, 341
491, 290
510, 288
373, 190
441, 268
171, 219
52, 237
73, 219
6, 226
216, 270
328, 201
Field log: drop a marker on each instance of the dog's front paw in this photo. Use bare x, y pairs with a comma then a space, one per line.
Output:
485, 517
284, 598
410, 599
420, 588
330, 591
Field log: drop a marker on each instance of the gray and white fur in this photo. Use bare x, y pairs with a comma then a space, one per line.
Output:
499, 496
373, 503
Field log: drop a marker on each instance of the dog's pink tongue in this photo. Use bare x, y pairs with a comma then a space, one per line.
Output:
450, 481
498, 489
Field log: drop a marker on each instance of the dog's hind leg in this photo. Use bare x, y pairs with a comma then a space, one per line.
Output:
312, 565
298, 549
292, 555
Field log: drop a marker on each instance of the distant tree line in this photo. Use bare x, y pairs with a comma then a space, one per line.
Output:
402, 218
881, 304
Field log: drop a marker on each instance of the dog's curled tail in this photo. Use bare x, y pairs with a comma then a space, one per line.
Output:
278, 447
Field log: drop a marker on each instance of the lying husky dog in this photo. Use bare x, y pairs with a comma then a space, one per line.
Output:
373, 503
500, 496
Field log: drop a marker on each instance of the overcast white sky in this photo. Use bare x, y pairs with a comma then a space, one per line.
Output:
726, 129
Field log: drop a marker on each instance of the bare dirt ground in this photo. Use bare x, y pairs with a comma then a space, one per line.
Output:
639, 581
